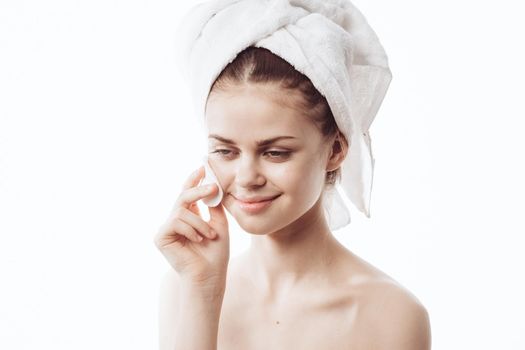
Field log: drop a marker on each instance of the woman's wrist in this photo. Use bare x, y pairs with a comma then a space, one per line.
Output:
211, 290
199, 314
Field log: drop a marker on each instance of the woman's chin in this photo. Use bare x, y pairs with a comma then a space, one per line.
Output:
254, 225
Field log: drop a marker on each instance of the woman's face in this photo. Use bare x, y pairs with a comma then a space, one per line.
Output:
292, 168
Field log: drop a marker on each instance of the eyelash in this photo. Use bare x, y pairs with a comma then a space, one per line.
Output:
280, 153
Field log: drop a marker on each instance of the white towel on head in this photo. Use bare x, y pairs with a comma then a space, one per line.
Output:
329, 41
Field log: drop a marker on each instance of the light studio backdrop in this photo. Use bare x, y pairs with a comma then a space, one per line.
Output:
97, 137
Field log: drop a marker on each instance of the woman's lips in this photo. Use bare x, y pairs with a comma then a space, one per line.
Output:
255, 207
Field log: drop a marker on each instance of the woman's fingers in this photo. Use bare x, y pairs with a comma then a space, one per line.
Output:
181, 227
193, 194
184, 219
184, 222
180, 238
192, 181
196, 222
194, 178
175, 230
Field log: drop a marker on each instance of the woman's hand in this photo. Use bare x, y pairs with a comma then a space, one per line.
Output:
202, 262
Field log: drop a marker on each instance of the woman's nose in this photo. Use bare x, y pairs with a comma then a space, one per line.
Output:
249, 173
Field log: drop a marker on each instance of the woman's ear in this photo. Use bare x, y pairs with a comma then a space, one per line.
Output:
338, 152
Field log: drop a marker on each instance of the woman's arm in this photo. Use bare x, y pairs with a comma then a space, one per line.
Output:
198, 251
189, 313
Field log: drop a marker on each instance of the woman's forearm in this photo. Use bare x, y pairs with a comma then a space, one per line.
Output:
198, 318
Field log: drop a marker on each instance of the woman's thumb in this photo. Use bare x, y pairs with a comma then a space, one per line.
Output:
218, 216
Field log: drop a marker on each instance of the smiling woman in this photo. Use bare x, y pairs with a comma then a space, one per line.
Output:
276, 150
251, 119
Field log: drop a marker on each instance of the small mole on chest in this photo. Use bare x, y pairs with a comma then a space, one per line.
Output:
277, 322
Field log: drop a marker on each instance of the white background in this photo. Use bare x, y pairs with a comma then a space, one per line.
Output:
97, 137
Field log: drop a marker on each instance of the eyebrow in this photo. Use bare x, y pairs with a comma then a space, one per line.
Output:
258, 143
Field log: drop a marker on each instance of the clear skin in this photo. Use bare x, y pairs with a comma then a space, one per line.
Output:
296, 286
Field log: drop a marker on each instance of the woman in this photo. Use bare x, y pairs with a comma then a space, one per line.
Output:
296, 287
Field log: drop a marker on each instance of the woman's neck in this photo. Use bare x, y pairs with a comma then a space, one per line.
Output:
295, 256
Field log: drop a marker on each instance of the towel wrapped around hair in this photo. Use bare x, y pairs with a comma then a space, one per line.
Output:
329, 41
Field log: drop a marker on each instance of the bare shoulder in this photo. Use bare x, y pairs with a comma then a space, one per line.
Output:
398, 319
393, 316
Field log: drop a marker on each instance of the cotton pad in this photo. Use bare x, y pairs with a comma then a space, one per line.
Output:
209, 178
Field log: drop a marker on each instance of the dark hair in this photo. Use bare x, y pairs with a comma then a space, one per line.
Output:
260, 65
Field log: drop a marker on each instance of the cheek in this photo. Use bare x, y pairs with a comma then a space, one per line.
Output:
222, 173
299, 178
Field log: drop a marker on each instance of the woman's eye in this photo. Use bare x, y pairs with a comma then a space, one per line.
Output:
278, 154
273, 154
220, 151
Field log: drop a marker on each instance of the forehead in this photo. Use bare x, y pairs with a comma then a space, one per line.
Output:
256, 109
